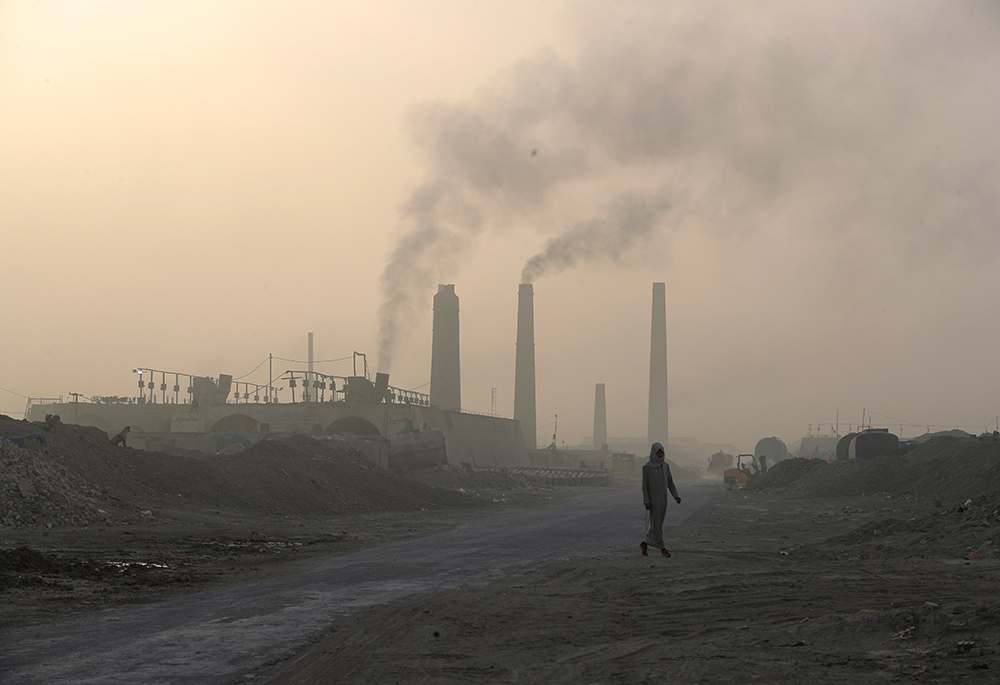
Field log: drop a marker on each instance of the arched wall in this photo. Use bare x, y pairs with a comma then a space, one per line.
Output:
352, 425
235, 422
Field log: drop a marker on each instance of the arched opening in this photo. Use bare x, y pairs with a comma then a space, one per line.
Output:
352, 425
235, 422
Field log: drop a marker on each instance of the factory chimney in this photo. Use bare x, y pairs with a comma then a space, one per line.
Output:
446, 376
658, 427
307, 387
600, 419
524, 366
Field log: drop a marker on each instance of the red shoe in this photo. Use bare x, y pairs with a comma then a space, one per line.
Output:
645, 549
665, 552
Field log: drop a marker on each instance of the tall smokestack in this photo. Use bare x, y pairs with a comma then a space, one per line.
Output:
446, 376
600, 418
657, 428
524, 366
308, 389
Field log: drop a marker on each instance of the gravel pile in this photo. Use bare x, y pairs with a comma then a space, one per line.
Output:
35, 490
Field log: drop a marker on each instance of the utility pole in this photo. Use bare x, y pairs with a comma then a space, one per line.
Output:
76, 406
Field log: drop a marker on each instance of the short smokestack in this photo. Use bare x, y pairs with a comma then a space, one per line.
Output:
524, 366
657, 427
600, 419
446, 375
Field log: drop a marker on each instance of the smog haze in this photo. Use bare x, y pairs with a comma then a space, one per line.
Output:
193, 186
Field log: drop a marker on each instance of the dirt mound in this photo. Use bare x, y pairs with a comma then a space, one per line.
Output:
955, 433
957, 478
78, 478
784, 473
24, 559
944, 467
817, 478
957, 468
301, 475
37, 490
24, 566
860, 477
970, 530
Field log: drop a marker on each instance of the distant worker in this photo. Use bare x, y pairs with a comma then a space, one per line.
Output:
120, 438
656, 482
51, 422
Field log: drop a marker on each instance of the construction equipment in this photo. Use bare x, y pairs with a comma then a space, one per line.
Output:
718, 463
740, 474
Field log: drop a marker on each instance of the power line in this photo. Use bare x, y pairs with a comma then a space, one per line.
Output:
15, 393
901, 422
895, 420
315, 361
254, 369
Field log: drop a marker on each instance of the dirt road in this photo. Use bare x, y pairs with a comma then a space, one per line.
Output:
219, 635
759, 589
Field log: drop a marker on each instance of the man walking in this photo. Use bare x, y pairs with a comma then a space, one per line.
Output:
656, 482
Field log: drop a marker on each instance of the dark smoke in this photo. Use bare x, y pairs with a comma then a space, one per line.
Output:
630, 222
870, 121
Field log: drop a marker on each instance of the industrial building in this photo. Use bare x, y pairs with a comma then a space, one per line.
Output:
216, 412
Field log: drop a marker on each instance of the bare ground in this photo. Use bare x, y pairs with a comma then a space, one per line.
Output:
884, 571
85, 525
759, 588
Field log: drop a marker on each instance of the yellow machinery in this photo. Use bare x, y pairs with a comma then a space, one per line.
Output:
740, 474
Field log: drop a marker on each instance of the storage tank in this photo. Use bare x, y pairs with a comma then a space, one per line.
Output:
772, 448
844, 447
874, 442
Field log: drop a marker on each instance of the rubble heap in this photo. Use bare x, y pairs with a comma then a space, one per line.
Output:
37, 490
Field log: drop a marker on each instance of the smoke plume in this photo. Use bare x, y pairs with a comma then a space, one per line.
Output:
629, 222
871, 121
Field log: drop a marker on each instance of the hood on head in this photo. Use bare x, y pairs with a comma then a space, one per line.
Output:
654, 458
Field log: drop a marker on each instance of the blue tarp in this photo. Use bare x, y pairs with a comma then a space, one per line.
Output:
20, 441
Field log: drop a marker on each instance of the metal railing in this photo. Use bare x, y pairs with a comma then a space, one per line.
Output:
40, 400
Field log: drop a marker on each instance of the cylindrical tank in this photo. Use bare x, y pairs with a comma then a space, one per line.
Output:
772, 448
878, 442
843, 447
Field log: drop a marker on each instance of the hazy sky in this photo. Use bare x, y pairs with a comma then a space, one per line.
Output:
191, 186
